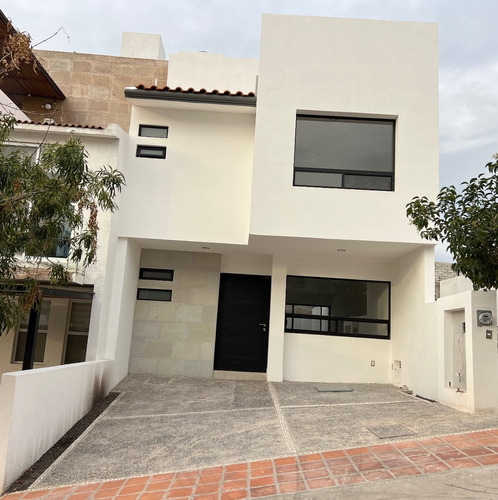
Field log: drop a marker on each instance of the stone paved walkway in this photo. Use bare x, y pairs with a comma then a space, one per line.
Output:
303, 473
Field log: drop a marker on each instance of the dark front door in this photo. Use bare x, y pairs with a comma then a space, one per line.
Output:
242, 329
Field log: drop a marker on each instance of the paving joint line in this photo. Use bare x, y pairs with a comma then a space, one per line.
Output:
322, 405
283, 423
182, 414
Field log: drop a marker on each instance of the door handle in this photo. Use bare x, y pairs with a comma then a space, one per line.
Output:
263, 325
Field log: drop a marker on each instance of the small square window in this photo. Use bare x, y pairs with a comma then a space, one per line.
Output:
153, 131
157, 152
60, 247
154, 294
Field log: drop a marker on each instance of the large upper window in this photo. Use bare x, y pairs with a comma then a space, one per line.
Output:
325, 306
348, 153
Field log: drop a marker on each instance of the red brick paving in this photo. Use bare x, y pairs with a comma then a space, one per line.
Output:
263, 478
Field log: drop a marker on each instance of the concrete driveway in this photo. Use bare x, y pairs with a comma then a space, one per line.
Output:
158, 425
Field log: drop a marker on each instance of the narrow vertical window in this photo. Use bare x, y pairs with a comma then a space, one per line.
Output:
77, 334
41, 337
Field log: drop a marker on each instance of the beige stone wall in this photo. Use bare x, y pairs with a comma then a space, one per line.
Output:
94, 87
443, 272
177, 337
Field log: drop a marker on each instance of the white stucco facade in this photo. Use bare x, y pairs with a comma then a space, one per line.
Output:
225, 187
353, 68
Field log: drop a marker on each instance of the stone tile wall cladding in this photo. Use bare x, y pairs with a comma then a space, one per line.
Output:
177, 338
94, 87
443, 272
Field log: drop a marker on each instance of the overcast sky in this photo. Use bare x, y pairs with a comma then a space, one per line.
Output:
468, 47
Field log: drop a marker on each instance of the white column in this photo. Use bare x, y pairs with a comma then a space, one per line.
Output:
275, 369
429, 273
119, 306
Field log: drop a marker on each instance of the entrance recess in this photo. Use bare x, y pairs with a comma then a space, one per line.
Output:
242, 328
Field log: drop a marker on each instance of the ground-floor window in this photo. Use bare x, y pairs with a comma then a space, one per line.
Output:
65, 339
327, 306
77, 334
41, 336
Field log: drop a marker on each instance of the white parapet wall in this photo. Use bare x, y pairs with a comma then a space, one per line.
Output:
468, 367
37, 407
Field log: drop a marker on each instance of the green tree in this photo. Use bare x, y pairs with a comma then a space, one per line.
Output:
467, 220
41, 196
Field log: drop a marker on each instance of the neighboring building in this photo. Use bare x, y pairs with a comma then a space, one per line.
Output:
25, 78
444, 271
93, 100
69, 315
94, 84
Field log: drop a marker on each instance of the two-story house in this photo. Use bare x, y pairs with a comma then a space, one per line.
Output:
263, 226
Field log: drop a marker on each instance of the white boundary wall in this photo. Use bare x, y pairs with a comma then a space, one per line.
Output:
37, 407
480, 355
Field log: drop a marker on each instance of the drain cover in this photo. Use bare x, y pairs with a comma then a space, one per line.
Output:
391, 431
332, 388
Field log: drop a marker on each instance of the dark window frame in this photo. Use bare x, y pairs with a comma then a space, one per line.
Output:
42, 333
345, 173
332, 318
142, 127
142, 149
61, 246
168, 272
74, 332
168, 297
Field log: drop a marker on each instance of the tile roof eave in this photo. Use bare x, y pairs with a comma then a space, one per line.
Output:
112, 131
63, 125
190, 95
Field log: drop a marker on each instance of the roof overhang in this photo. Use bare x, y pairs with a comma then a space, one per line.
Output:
385, 252
30, 79
57, 130
69, 291
201, 97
